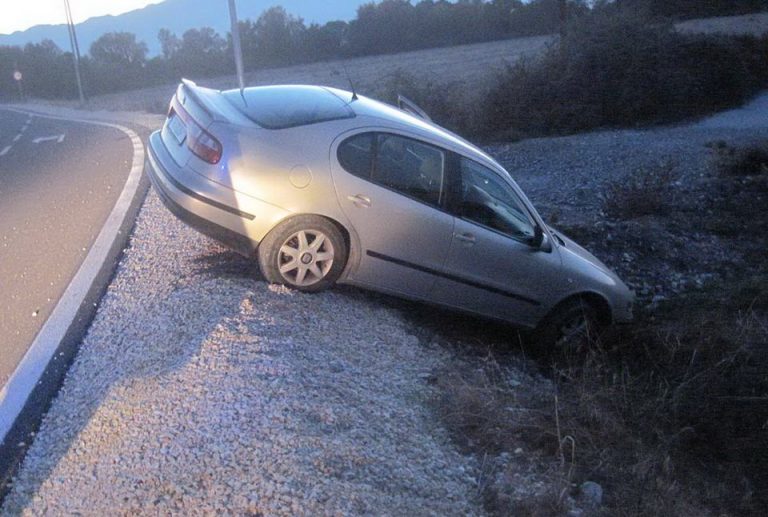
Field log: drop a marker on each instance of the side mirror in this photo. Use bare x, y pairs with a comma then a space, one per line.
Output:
539, 241
538, 237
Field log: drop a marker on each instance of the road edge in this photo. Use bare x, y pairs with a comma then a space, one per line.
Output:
28, 394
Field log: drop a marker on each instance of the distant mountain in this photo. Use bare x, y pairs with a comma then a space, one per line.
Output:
179, 16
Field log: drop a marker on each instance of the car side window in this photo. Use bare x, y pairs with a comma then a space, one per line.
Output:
487, 199
410, 167
356, 155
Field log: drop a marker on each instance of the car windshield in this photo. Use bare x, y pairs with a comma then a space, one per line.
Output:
281, 107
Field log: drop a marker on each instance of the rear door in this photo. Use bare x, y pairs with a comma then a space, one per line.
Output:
492, 268
391, 187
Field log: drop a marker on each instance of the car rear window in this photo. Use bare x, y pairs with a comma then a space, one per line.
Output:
281, 107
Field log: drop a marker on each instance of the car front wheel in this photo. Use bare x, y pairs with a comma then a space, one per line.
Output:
307, 253
571, 327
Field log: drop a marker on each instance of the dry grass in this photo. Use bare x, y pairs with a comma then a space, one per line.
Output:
646, 192
668, 414
750, 160
495, 411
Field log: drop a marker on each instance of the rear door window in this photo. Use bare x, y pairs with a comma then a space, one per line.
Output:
405, 165
409, 167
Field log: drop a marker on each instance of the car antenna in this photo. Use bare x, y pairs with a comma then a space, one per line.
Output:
351, 84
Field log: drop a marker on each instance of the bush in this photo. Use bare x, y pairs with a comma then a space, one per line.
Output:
646, 192
741, 161
689, 9
619, 71
446, 103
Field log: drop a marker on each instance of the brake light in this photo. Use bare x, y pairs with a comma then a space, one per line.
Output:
203, 144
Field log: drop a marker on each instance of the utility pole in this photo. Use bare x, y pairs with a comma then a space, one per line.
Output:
17, 76
236, 44
75, 50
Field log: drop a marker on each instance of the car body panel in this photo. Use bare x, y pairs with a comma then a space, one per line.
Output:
498, 276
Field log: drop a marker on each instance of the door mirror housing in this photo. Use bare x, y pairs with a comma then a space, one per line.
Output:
539, 241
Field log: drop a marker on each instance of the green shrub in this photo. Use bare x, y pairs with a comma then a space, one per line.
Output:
619, 71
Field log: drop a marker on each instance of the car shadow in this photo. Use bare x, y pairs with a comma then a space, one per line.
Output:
453, 330
225, 263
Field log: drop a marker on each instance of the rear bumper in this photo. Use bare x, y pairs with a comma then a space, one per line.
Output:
207, 216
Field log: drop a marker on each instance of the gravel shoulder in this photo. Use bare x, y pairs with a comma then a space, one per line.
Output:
201, 389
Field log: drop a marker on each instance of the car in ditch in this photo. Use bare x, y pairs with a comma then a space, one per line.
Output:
322, 186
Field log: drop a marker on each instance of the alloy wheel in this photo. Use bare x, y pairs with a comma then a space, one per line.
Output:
305, 258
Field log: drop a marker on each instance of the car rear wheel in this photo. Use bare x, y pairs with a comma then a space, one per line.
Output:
571, 327
307, 253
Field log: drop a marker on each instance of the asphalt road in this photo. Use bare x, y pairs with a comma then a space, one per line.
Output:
55, 194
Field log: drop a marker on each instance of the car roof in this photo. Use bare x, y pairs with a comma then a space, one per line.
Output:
385, 114
293, 106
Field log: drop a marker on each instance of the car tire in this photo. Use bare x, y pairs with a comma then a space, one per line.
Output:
571, 327
291, 254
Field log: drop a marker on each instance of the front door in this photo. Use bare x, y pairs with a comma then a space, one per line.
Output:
492, 268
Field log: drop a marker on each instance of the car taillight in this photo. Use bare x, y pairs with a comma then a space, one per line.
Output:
203, 144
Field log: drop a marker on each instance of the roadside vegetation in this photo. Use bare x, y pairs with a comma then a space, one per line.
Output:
612, 69
620, 71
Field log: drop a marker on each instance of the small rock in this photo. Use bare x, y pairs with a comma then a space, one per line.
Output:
591, 494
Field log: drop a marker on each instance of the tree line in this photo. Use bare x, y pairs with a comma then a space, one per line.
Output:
117, 61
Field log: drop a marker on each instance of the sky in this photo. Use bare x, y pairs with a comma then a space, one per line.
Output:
16, 15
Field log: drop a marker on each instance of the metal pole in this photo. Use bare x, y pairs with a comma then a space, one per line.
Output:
236, 44
18, 78
75, 50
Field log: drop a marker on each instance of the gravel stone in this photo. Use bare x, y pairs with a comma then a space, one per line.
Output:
591, 494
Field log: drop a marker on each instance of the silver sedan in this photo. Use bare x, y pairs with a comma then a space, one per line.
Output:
323, 186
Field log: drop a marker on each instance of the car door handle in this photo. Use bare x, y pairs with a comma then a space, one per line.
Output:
360, 201
465, 237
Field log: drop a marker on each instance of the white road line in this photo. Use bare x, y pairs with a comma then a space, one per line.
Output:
5, 151
17, 138
57, 138
14, 395
24, 127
